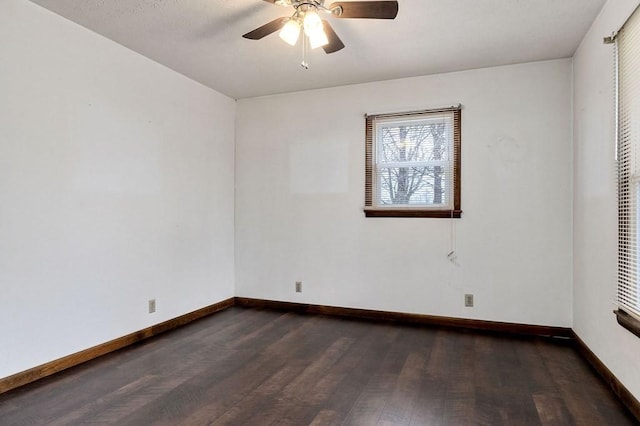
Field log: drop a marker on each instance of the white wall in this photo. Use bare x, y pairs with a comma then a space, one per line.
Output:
595, 204
116, 186
300, 194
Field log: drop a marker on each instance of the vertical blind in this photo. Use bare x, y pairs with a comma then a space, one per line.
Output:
628, 99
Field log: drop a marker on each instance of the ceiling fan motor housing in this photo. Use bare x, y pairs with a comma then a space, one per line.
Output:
317, 4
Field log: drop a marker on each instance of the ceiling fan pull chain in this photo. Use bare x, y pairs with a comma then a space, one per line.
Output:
304, 64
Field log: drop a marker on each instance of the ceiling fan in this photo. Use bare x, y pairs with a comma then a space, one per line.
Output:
318, 31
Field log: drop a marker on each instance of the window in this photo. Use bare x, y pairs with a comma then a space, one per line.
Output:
413, 164
628, 139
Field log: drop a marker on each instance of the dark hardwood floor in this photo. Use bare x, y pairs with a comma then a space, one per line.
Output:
260, 367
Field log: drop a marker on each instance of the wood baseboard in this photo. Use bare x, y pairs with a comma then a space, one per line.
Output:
471, 324
44, 370
616, 386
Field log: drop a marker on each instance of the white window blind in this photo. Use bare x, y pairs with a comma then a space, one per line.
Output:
628, 99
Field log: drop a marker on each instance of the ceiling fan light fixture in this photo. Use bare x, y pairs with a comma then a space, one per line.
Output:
314, 29
318, 39
319, 32
290, 32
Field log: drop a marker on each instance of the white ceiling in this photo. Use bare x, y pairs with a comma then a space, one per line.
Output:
202, 39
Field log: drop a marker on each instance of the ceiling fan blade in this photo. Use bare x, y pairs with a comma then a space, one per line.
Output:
366, 9
335, 43
266, 29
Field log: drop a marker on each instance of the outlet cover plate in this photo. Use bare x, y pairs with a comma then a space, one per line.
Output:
468, 300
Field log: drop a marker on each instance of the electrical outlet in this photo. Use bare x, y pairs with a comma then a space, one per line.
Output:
152, 305
298, 286
468, 300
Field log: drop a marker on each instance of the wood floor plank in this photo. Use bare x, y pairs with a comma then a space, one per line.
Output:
399, 408
326, 418
503, 373
368, 409
263, 397
551, 410
261, 367
430, 410
109, 400
586, 402
432, 393
342, 386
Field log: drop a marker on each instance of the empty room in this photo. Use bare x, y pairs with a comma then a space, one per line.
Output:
293, 212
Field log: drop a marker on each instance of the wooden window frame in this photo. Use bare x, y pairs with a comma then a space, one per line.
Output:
372, 210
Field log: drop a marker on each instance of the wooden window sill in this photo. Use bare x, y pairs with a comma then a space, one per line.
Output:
627, 321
